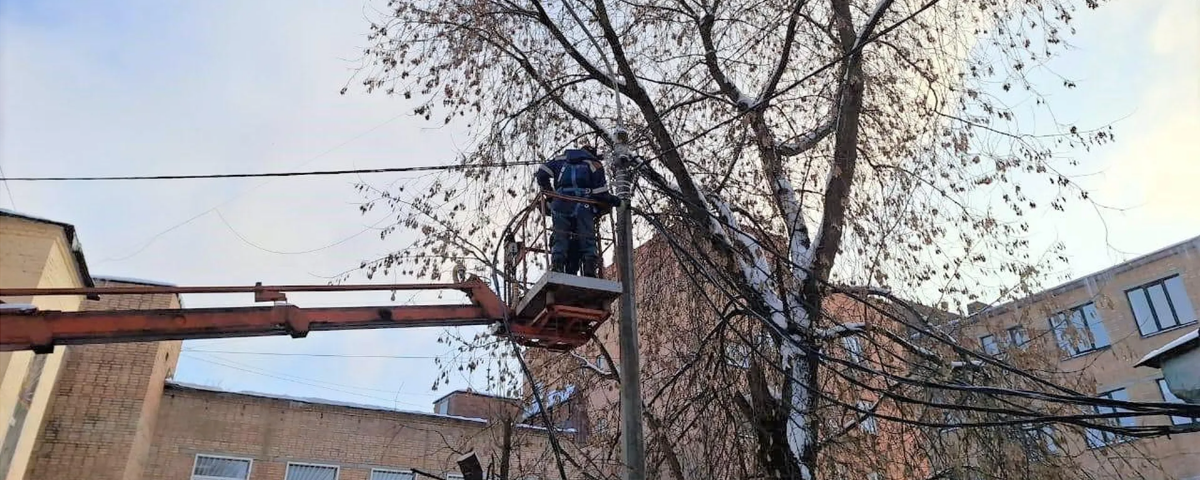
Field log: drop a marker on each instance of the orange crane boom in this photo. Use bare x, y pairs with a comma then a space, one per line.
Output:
32, 329
560, 312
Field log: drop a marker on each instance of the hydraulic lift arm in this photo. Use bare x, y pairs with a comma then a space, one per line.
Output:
23, 328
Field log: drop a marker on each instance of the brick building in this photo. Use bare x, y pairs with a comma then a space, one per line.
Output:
43, 253
703, 440
1094, 329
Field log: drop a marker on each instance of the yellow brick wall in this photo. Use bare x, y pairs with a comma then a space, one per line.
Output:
1112, 368
32, 254
104, 411
273, 432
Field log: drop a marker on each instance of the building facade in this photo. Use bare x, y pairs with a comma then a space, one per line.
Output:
1093, 330
34, 252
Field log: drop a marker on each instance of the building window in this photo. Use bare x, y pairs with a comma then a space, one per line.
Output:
210, 467
854, 348
1017, 336
1079, 330
989, 344
1100, 438
868, 424
737, 355
443, 407
1171, 398
600, 427
381, 474
1161, 305
1039, 440
306, 471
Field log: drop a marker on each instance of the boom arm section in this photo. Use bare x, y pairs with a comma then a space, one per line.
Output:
40, 331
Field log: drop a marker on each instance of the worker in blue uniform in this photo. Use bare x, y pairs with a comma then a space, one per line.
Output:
576, 173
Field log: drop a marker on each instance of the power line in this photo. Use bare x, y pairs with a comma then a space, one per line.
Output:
300, 252
312, 173
303, 381
314, 158
8, 189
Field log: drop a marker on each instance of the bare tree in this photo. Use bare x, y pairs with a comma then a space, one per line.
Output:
789, 149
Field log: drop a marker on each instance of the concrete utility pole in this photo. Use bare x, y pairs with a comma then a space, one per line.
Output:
633, 441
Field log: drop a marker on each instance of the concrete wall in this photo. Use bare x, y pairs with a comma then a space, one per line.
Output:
32, 254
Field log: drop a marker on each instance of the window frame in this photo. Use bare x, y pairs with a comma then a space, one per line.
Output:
411, 474
995, 345
1145, 289
196, 462
1165, 391
737, 355
1108, 438
869, 423
1024, 336
857, 353
337, 469
1066, 314
1041, 437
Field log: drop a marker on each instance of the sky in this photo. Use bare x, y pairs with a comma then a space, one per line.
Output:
158, 87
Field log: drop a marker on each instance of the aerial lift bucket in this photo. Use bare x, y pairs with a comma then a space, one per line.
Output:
559, 311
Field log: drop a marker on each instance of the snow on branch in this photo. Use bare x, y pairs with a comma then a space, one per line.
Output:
585, 364
746, 102
868, 28
807, 141
843, 330
756, 270
868, 290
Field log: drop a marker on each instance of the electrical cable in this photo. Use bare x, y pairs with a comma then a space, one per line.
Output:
301, 382
300, 252
203, 176
8, 189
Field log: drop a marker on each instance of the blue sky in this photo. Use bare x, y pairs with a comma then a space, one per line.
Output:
140, 86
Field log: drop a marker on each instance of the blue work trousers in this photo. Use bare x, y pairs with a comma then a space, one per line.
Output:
574, 239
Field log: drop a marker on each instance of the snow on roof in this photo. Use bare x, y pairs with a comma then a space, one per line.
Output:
336, 403
72, 241
1152, 359
473, 392
137, 281
19, 307
26, 216
553, 399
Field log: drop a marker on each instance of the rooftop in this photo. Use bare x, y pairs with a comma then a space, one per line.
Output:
1154, 359
1168, 251
131, 280
72, 241
475, 393
175, 385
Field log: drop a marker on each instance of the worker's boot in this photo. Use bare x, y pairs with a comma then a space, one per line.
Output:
590, 269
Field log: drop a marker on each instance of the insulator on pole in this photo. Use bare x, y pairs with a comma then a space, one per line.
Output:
619, 163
